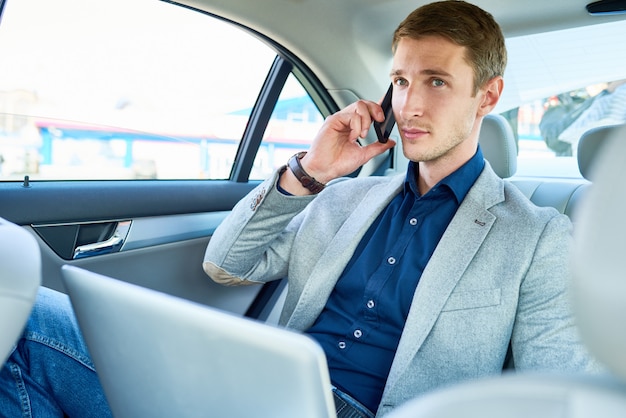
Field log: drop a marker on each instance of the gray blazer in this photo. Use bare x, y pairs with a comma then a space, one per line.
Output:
498, 275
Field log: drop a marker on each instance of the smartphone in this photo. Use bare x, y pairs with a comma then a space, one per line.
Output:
383, 129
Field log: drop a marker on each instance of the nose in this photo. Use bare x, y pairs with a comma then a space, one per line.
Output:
409, 102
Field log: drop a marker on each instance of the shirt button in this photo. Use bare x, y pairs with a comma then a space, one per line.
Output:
370, 304
391, 260
342, 345
358, 333
413, 221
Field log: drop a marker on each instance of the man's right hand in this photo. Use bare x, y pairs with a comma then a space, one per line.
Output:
335, 151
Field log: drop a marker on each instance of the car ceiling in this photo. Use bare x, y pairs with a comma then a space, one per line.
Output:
356, 34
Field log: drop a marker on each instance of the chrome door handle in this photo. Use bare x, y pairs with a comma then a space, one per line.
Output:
111, 245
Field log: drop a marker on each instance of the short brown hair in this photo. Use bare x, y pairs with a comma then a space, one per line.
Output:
466, 25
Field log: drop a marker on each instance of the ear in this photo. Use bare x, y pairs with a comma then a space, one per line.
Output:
491, 94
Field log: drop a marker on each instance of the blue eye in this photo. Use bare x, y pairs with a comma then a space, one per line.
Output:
437, 82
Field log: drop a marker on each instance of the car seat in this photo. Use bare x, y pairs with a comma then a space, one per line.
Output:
497, 143
590, 145
20, 277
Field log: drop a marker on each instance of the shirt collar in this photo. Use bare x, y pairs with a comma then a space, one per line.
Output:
459, 181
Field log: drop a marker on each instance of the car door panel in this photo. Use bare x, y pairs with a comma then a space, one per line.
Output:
170, 224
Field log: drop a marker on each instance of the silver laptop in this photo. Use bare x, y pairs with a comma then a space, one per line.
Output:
161, 356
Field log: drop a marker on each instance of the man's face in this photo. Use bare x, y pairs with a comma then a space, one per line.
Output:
433, 99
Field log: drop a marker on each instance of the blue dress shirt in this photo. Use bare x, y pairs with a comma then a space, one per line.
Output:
361, 324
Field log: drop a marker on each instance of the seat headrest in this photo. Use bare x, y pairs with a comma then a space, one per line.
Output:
497, 142
589, 146
599, 257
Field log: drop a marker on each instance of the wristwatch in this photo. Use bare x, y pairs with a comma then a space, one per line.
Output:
307, 181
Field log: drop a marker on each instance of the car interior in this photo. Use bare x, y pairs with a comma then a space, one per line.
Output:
130, 128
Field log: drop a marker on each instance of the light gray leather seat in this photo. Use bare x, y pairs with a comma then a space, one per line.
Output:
599, 295
565, 195
20, 277
498, 145
590, 145
599, 255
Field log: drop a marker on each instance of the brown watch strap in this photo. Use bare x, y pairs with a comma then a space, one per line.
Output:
307, 181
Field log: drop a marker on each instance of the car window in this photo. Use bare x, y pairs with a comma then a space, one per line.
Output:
293, 125
549, 129
134, 90
550, 80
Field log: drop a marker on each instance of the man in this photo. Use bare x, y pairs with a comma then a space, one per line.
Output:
408, 285
414, 282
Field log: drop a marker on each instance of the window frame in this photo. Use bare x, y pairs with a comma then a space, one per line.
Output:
284, 64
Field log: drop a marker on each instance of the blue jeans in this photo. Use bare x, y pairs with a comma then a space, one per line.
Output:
348, 407
49, 372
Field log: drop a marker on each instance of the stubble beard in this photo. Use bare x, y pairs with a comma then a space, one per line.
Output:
431, 149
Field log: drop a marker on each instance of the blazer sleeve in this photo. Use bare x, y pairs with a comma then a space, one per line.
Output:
544, 335
253, 243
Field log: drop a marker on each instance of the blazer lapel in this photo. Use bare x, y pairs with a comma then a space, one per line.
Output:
453, 254
326, 272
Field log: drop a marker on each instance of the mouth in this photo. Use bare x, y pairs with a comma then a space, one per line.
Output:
414, 133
